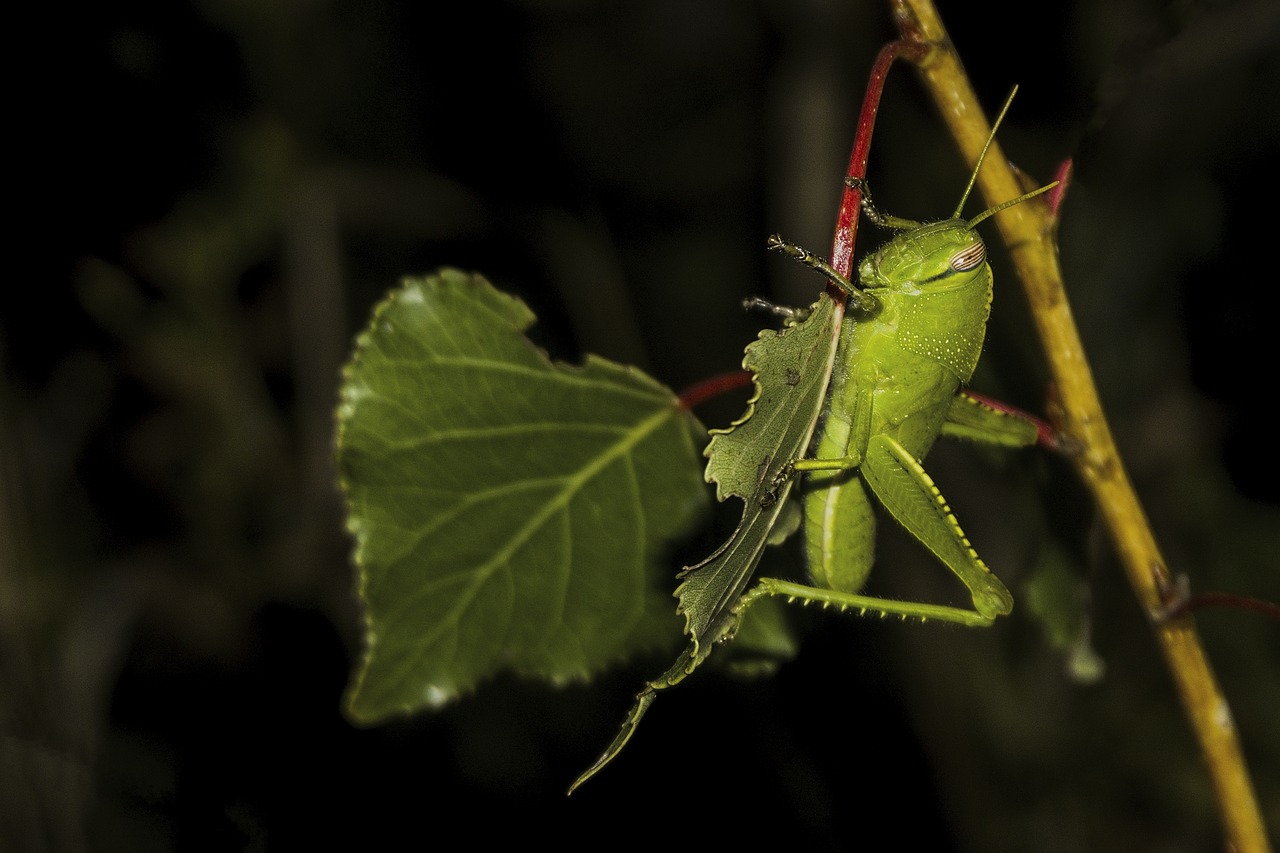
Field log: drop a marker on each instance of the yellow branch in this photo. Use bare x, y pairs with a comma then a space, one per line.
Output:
1028, 230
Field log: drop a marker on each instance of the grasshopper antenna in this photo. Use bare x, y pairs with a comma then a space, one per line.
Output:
973, 178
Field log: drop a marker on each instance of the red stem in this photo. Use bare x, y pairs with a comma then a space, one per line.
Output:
1055, 196
850, 205
851, 202
699, 393
1221, 599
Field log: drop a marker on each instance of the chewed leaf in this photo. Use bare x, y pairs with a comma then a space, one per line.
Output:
791, 368
509, 512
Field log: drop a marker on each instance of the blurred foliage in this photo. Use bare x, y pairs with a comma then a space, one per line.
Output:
226, 188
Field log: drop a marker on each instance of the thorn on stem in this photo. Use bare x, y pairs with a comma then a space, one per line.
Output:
1058, 193
1178, 601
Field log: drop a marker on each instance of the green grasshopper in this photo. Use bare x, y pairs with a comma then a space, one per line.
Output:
895, 362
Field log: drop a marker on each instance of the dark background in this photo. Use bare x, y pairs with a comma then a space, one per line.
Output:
218, 192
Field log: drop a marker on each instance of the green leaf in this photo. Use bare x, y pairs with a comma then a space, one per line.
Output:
1058, 597
509, 512
792, 368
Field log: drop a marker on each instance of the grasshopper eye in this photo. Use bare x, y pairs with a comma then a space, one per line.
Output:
969, 258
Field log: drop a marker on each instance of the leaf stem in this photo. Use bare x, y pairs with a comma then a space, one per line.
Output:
851, 201
1029, 232
709, 389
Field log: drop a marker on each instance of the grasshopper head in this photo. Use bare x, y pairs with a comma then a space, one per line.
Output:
937, 256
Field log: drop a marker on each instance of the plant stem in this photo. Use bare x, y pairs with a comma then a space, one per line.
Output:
851, 200
1028, 230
